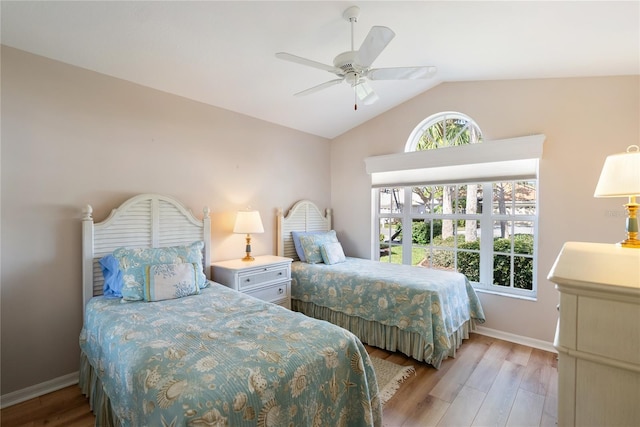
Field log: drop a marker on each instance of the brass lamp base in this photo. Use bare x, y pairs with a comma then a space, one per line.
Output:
632, 225
630, 243
248, 256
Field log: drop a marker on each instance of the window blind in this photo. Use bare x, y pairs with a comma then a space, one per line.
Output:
514, 158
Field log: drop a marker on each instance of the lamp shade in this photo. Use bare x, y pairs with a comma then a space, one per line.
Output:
620, 176
248, 222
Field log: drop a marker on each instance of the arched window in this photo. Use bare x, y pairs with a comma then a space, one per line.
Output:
446, 129
453, 201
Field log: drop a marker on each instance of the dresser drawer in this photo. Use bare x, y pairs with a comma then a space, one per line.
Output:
248, 280
279, 291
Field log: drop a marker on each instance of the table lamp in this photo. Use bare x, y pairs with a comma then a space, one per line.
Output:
620, 177
248, 222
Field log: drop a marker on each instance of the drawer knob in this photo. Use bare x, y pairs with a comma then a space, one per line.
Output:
247, 280
280, 290
280, 273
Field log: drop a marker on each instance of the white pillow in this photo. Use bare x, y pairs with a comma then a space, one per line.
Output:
170, 281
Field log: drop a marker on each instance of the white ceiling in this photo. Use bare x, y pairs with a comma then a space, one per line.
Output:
222, 53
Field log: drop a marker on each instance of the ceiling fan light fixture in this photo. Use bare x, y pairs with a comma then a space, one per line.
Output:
365, 93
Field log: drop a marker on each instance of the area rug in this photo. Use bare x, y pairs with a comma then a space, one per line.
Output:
390, 376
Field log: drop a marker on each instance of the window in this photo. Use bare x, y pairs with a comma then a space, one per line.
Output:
461, 214
444, 130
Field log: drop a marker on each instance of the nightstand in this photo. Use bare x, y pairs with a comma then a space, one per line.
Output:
267, 277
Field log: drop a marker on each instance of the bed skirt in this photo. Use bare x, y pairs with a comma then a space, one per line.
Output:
99, 402
389, 338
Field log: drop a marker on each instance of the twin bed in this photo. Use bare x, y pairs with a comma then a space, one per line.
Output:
208, 356
173, 348
423, 313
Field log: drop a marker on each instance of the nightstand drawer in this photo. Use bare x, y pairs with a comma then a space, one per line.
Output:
253, 278
271, 293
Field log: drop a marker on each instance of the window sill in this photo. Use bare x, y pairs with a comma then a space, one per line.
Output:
533, 298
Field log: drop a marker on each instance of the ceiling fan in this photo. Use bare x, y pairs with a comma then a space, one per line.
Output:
354, 66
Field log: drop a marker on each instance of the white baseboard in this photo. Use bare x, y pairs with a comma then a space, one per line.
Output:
38, 390
518, 339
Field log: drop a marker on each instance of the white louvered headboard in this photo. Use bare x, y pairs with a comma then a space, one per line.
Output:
303, 216
144, 221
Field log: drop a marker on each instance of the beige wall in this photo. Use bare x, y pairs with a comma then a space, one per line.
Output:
584, 120
71, 137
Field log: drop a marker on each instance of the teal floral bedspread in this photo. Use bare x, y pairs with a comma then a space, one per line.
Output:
432, 303
221, 358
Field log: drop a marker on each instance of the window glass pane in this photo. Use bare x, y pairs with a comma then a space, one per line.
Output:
525, 198
469, 197
468, 232
459, 198
422, 200
502, 270
523, 237
419, 256
449, 199
395, 231
442, 259
391, 200
421, 231
502, 198
523, 272
438, 191
428, 259
385, 230
391, 254
469, 264
502, 230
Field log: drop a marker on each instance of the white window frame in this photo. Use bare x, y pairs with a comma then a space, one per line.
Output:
491, 161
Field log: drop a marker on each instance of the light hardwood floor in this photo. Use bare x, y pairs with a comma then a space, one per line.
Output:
490, 383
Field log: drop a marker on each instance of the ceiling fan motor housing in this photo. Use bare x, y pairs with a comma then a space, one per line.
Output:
346, 62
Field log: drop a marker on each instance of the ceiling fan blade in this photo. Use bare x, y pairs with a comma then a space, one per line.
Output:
319, 87
401, 73
375, 42
365, 93
299, 60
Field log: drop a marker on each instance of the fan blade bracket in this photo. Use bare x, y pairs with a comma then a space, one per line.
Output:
402, 73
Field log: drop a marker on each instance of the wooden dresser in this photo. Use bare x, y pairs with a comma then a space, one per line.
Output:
598, 335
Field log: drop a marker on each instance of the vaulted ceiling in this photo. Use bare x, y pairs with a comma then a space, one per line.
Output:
223, 53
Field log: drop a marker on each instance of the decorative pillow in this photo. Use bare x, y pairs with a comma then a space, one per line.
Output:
112, 276
295, 235
311, 245
170, 281
133, 263
332, 253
